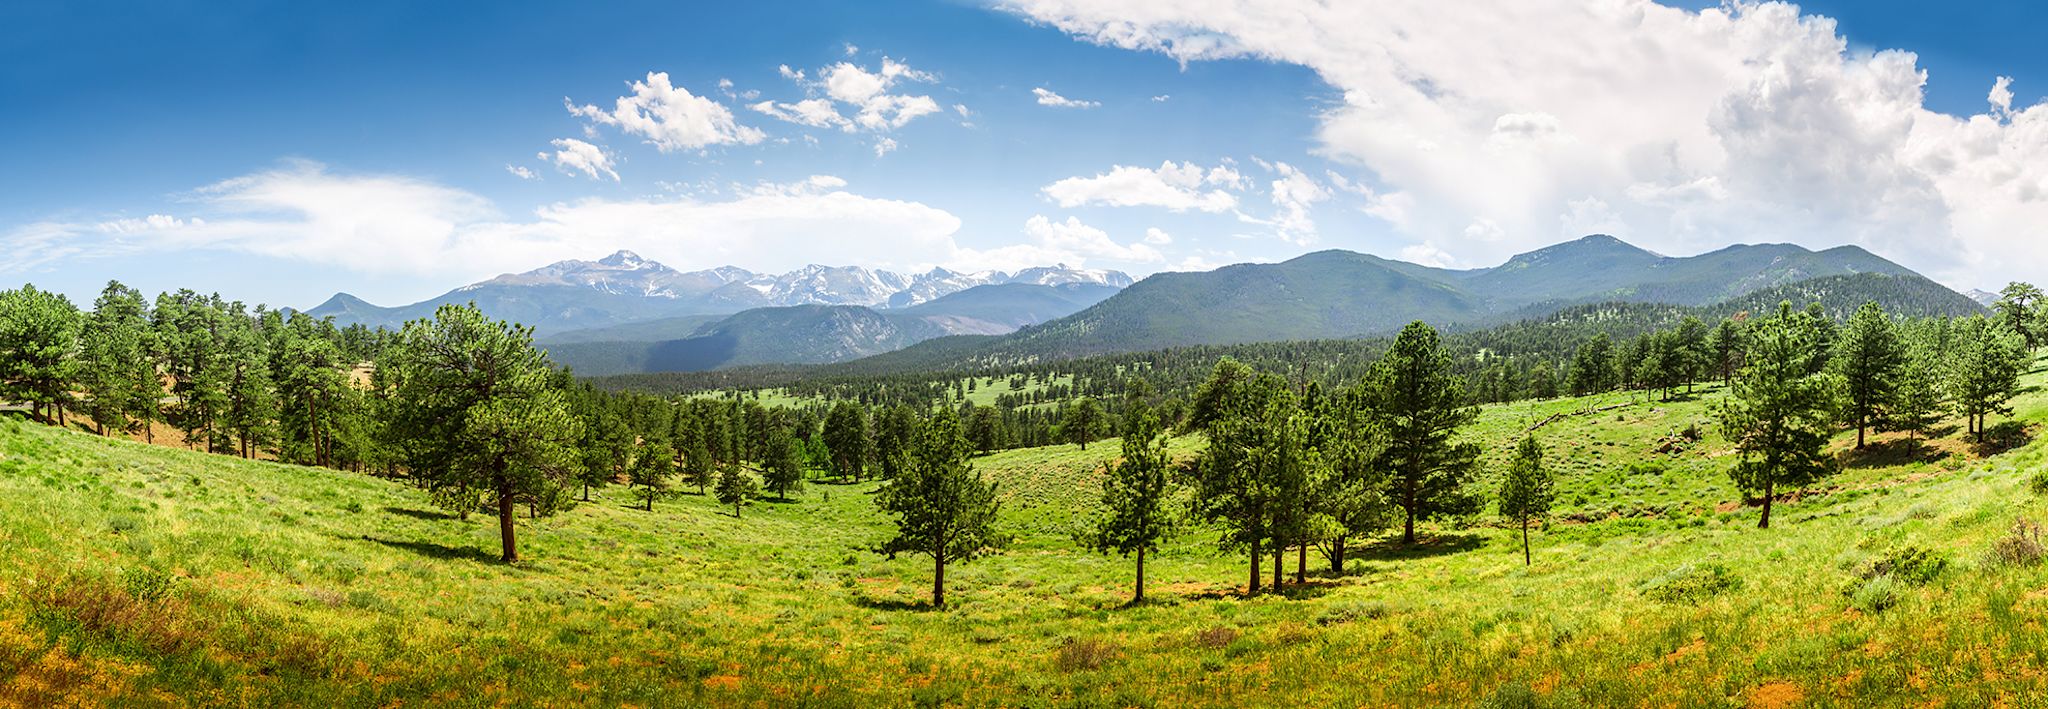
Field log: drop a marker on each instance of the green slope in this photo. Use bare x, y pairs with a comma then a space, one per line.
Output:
142, 576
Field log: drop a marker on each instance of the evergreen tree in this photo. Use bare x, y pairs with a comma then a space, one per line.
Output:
38, 348
1869, 358
846, 436
941, 507
985, 428
1134, 516
1593, 366
188, 333
607, 449
311, 380
1918, 404
699, 468
475, 414
1243, 415
1984, 370
115, 367
1689, 355
249, 421
2018, 307
1081, 422
653, 464
1727, 346
1349, 498
1780, 410
783, 471
895, 432
735, 487
1413, 398
1525, 493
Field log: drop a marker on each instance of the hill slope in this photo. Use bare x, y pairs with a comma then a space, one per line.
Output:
142, 575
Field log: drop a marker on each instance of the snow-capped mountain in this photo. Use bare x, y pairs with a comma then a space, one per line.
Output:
624, 287
626, 273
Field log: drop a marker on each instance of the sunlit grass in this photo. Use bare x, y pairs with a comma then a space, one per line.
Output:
303, 586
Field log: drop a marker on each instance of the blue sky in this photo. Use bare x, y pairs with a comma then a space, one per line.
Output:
280, 152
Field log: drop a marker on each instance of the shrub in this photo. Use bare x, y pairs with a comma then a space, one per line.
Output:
1514, 695
2039, 483
1912, 565
1875, 594
1347, 612
1691, 583
147, 584
1216, 637
1084, 654
2020, 547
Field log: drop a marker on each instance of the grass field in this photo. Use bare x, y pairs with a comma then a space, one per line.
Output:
142, 576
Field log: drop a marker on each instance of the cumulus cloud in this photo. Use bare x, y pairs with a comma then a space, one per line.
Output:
1046, 97
854, 98
572, 156
1177, 186
670, 117
1068, 241
1682, 130
384, 224
522, 172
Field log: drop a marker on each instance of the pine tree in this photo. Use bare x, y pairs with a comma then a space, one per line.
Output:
1413, 398
1780, 411
846, 436
942, 508
1135, 518
653, 464
1984, 370
1593, 366
1918, 404
38, 349
783, 471
699, 468
735, 487
1243, 414
1525, 492
1869, 357
2017, 307
895, 431
1081, 422
476, 414
115, 367
1727, 347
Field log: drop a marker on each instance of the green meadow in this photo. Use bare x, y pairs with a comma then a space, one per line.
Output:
147, 576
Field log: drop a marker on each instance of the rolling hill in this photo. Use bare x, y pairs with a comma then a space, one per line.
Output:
1337, 294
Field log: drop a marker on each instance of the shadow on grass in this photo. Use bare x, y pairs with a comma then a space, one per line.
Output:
1424, 548
440, 551
891, 604
429, 515
1889, 453
2001, 437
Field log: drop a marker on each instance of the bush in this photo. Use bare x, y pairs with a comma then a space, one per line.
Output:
1216, 637
1347, 612
1875, 594
1084, 654
147, 584
1514, 695
2020, 547
2039, 483
1912, 565
1691, 583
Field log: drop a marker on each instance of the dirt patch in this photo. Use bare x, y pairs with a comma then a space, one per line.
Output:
1775, 695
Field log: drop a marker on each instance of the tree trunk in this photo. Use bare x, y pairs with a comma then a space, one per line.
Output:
1860, 423
1525, 541
1337, 556
938, 581
1301, 565
1253, 588
1770, 487
1139, 596
507, 516
1279, 564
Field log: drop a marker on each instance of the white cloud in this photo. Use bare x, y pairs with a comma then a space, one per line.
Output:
1294, 194
381, 224
1157, 237
1745, 122
884, 146
1046, 97
670, 117
1176, 186
1069, 242
853, 98
572, 156
522, 172
1161, 98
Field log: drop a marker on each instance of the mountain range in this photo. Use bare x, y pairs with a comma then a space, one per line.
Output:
624, 288
625, 314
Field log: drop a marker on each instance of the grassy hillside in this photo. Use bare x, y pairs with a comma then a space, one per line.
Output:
148, 576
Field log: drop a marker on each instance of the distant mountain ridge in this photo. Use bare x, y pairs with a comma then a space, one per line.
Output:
625, 288
813, 333
1341, 294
